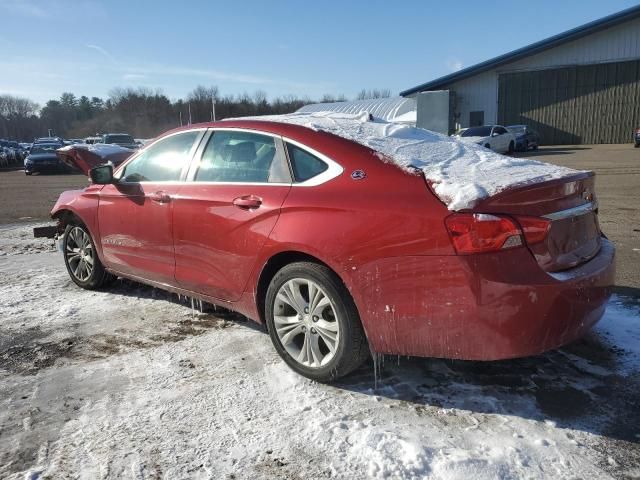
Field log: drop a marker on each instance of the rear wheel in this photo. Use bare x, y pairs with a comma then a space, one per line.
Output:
81, 259
526, 146
511, 148
313, 322
27, 173
486, 145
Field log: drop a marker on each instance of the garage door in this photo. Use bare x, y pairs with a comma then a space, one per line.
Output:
573, 105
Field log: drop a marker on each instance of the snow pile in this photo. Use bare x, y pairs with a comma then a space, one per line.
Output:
461, 174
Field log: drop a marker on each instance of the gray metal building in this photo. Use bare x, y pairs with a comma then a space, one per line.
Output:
581, 86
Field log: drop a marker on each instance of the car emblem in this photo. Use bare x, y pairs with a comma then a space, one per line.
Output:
358, 174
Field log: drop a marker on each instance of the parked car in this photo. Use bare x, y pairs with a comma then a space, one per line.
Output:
493, 137
526, 137
121, 139
43, 158
92, 140
48, 140
636, 138
340, 247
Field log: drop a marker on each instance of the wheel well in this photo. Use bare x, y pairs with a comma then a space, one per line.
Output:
273, 265
64, 217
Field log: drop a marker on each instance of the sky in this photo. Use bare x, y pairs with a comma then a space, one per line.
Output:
301, 48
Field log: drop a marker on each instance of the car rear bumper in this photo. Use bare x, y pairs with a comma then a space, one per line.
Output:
480, 307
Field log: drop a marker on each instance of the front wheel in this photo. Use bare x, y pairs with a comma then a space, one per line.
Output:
80, 258
313, 322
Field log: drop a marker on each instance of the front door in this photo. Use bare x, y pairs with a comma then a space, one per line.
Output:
227, 210
135, 213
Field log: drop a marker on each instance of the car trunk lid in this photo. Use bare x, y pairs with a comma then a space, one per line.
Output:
570, 206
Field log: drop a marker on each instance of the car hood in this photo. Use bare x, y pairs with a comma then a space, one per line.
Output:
473, 139
84, 157
39, 157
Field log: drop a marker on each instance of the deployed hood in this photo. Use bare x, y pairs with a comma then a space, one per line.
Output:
84, 157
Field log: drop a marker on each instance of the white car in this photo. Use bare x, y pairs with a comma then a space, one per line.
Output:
494, 137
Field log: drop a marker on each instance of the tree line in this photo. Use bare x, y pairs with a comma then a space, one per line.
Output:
142, 112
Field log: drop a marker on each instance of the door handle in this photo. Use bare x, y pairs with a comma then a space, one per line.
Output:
160, 197
247, 202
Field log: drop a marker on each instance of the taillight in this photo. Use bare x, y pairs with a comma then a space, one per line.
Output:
479, 232
535, 229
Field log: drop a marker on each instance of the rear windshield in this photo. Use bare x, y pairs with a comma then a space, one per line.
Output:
476, 132
119, 139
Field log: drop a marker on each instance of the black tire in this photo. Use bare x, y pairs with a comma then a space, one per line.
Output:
511, 149
28, 173
98, 276
352, 348
486, 145
636, 145
526, 146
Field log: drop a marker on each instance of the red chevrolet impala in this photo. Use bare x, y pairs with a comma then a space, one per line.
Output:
331, 235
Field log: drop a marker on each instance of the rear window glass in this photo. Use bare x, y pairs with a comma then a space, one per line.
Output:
243, 157
304, 164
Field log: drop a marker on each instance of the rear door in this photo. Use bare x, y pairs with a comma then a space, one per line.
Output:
135, 214
227, 209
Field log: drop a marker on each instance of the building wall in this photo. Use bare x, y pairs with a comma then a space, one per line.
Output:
480, 92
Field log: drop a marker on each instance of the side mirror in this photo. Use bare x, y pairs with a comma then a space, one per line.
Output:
102, 174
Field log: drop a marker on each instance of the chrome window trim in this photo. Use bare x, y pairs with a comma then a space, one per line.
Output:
334, 170
572, 212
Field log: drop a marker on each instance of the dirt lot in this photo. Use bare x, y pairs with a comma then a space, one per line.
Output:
618, 188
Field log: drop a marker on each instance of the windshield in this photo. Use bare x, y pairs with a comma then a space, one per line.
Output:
119, 139
477, 132
44, 148
517, 129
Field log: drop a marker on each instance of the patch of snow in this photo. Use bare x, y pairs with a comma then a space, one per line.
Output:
461, 174
147, 391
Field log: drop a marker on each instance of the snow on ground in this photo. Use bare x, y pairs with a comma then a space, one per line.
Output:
131, 382
462, 174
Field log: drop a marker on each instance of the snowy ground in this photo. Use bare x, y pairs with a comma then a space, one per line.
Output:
130, 383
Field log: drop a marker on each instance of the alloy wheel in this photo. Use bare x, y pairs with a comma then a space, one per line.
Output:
79, 254
306, 323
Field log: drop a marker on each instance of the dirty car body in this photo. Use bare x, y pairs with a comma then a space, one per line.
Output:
522, 272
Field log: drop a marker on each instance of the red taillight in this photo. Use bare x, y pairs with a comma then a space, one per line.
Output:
535, 228
479, 232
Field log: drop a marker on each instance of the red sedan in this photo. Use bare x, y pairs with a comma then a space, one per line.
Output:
342, 251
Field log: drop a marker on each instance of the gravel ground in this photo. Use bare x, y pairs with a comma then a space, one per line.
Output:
132, 382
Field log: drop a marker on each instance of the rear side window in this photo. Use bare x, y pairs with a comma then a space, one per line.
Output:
304, 164
163, 161
243, 157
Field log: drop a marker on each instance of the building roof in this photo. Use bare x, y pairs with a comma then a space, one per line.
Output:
551, 42
389, 109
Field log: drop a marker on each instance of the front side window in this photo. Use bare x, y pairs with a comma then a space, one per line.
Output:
163, 161
304, 164
242, 157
